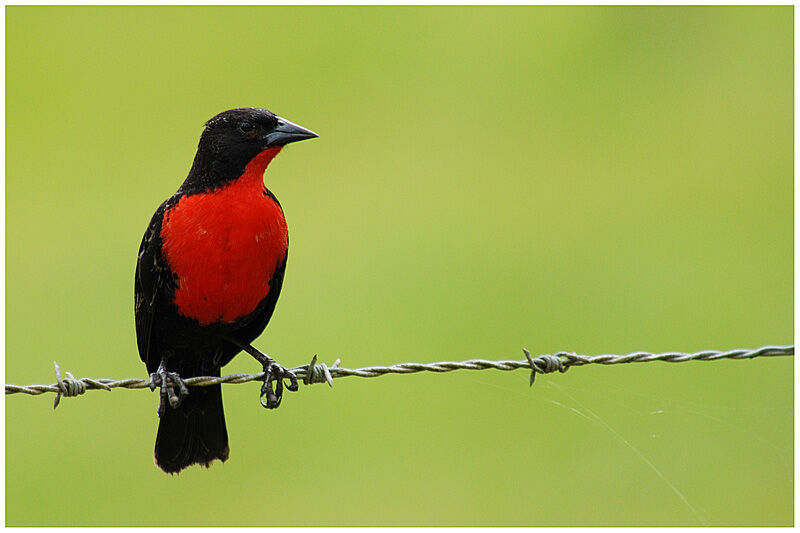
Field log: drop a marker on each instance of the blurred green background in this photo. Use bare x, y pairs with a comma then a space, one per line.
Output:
598, 180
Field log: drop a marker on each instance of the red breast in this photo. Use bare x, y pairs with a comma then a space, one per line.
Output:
225, 245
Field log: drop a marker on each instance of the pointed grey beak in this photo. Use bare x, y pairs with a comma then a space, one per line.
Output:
287, 132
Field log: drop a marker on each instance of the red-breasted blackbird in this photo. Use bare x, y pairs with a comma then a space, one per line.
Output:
209, 272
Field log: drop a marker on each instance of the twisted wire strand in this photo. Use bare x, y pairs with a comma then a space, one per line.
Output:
315, 372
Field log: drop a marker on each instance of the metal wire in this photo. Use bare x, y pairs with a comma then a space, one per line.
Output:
321, 373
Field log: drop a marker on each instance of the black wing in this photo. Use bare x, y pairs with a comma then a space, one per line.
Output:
152, 273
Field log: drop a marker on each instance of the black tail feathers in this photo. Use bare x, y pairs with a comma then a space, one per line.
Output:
193, 433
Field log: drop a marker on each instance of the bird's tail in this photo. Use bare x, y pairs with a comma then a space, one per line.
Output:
194, 432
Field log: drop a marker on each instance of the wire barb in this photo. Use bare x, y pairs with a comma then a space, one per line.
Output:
315, 372
318, 373
544, 364
70, 386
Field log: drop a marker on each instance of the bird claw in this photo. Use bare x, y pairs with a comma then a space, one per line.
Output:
275, 373
173, 389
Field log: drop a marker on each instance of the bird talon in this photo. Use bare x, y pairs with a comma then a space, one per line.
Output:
173, 389
275, 373
292, 386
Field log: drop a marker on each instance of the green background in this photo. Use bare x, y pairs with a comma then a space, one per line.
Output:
598, 180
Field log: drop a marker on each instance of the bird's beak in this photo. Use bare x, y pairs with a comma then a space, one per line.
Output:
287, 132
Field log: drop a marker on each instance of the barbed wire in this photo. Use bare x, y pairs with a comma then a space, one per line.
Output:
315, 372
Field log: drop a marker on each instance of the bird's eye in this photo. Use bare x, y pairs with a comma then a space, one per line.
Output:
247, 127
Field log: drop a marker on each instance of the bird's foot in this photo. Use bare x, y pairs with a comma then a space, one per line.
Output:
173, 389
275, 373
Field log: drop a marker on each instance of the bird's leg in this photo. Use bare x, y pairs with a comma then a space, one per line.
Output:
168, 382
273, 373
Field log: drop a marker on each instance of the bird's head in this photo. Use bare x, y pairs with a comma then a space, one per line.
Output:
245, 132
233, 139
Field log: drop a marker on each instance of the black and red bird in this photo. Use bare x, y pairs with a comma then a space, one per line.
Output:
208, 275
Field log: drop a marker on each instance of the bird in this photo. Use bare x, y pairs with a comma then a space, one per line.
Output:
208, 274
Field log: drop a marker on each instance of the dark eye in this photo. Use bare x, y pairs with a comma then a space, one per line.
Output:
247, 127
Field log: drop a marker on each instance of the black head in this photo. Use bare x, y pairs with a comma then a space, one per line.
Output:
233, 138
